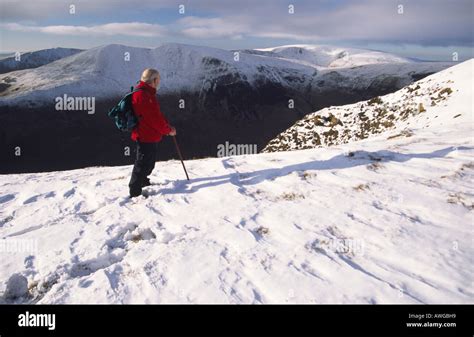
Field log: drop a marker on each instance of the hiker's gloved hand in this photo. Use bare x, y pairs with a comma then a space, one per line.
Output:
172, 132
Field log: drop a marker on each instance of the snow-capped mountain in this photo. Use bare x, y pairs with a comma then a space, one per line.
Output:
35, 59
110, 70
416, 106
330, 56
385, 219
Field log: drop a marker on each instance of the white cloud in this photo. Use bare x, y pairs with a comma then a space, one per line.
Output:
289, 36
126, 28
424, 22
196, 27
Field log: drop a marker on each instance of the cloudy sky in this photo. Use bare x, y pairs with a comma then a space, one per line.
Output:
427, 29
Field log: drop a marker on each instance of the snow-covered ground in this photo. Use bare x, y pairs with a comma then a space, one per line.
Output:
387, 219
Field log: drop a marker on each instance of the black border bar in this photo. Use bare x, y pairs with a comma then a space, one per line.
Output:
240, 320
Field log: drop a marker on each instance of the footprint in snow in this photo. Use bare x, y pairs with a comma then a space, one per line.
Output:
70, 192
29, 262
31, 200
6, 198
228, 163
167, 237
143, 234
89, 267
50, 194
37, 197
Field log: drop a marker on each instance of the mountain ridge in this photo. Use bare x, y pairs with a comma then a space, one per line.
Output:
201, 67
34, 59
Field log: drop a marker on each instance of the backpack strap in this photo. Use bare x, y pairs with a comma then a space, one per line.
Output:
131, 88
134, 90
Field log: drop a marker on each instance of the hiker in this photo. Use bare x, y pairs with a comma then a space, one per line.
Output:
151, 126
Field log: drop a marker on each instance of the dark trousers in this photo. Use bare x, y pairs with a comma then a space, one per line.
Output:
144, 165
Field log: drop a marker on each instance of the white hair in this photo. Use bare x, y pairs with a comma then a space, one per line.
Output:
149, 75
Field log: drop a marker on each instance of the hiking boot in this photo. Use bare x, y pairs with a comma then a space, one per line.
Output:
146, 183
135, 192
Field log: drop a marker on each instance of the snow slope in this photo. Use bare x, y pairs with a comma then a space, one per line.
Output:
332, 56
105, 72
382, 220
35, 59
416, 106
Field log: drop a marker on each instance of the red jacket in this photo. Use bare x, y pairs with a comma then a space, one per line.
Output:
151, 122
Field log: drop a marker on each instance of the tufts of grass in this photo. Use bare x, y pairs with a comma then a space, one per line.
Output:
458, 198
290, 196
374, 166
305, 175
388, 124
333, 121
445, 91
404, 133
421, 108
375, 100
262, 231
410, 89
361, 187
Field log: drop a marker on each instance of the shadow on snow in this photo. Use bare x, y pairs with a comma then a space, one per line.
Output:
342, 161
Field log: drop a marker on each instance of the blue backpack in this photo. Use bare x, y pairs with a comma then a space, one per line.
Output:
123, 114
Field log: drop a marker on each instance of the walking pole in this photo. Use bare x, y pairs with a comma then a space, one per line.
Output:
180, 156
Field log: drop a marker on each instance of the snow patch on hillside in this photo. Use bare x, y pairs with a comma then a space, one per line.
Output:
442, 99
35, 59
333, 56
